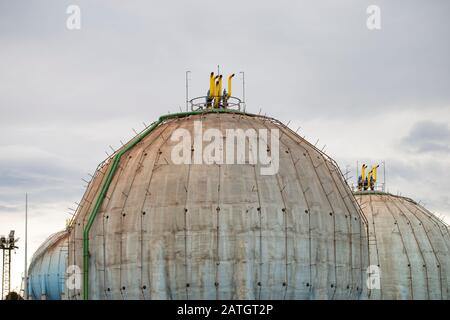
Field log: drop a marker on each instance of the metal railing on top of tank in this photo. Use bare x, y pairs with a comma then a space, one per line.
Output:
206, 102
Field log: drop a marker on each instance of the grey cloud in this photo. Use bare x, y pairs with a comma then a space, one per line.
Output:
301, 59
9, 208
428, 136
44, 175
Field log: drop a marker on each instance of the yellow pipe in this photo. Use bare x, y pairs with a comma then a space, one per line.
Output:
212, 87
230, 77
216, 94
363, 175
374, 174
220, 86
363, 172
216, 85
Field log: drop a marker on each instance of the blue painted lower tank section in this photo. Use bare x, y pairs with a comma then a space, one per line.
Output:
46, 274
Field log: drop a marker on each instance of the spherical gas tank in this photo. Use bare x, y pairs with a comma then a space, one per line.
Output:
180, 213
409, 248
47, 270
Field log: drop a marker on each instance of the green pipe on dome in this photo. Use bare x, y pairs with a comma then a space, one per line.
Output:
110, 175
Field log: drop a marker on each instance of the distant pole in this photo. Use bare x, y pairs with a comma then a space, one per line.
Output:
187, 90
243, 88
384, 176
25, 290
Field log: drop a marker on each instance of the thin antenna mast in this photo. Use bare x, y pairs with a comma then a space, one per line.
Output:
243, 88
187, 90
25, 288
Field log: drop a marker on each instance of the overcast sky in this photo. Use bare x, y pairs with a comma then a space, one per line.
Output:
66, 95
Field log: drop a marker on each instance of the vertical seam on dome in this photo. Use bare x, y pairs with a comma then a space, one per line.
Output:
155, 162
376, 242
334, 222
108, 200
139, 164
122, 218
351, 241
259, 284
216, 256
309, 215
418, 245
404, 248
186, 220
433, 249
277, 176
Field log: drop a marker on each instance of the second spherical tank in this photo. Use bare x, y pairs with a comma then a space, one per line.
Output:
409, 248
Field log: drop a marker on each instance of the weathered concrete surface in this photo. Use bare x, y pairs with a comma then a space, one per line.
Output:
410, 245
46, 273
168, 231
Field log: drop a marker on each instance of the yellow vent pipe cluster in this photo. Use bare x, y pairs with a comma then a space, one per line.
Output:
365, 183
215, 90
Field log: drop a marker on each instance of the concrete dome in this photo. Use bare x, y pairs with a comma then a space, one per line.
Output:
47, 270
410, 245
154, 229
